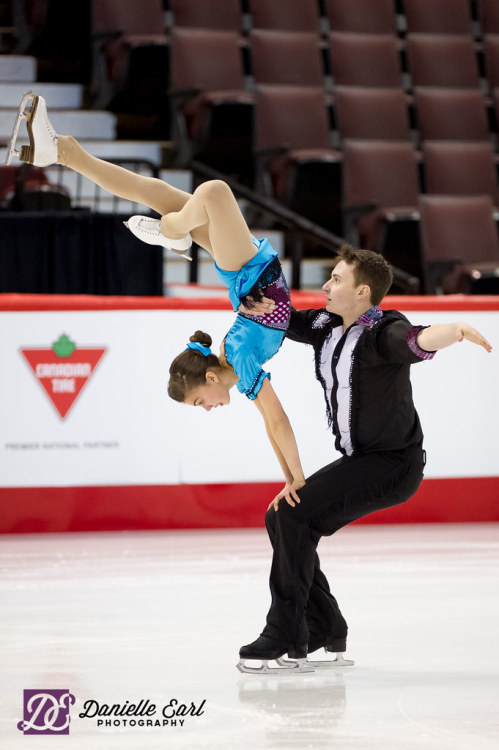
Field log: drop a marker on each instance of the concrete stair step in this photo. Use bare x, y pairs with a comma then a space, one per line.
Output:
110, 205
57, 95
83, 124
17, 68
179, 178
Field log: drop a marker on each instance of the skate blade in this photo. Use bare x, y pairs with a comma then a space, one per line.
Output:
21, 115
182, 253
285, 667
339, 661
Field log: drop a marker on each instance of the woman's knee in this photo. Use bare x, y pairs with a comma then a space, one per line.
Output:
215, 191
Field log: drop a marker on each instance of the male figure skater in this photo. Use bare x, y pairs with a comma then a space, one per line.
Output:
362, 360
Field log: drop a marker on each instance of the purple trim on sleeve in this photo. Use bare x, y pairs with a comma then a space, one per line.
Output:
369, 318
411, 338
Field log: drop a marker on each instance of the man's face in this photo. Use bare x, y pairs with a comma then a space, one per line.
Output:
341, 292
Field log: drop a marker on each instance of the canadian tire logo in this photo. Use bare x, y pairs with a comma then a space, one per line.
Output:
63, 370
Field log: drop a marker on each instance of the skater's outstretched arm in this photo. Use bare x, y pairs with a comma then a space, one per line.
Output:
442, 335
283, 442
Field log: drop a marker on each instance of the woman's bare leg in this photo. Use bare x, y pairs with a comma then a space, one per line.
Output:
214, 207
156, 194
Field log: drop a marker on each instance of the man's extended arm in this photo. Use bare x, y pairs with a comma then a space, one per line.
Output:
444, 334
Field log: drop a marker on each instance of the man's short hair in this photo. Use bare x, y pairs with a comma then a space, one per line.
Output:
369, 268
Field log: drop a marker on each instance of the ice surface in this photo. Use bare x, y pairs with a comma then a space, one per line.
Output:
160, 616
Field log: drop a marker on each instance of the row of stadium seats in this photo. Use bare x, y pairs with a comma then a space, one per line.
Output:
333, 108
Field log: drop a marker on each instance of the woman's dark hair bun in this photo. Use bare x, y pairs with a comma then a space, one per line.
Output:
188, 369
202, 338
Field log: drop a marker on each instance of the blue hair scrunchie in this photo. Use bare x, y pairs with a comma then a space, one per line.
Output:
205, 350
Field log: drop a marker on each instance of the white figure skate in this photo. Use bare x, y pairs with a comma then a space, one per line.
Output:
42, 149
148, 230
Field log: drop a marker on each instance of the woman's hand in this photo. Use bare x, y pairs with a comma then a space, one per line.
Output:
288, 493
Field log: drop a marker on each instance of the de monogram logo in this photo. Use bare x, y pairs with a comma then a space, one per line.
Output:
46, 712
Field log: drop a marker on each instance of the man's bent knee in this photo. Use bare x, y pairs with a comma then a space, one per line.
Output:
270, 521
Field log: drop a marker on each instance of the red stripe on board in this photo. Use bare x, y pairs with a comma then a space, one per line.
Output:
62, 509
56, 302
300, 300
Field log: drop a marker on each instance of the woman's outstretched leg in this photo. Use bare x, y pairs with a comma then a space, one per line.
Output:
46, 147
119, 181
123, 183
211, 215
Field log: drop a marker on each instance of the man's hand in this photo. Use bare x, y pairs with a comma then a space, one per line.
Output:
440, 335
257, 307
288, 493
465, 331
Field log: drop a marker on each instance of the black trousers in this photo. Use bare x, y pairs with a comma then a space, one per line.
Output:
334, 496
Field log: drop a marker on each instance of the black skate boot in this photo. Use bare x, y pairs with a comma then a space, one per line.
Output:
266, 649
327, 642
330, 644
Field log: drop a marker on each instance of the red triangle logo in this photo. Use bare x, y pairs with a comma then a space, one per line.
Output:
63, 377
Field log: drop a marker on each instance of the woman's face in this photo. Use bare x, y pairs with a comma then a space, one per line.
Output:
210, 395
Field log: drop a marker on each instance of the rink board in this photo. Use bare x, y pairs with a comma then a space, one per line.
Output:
90, 440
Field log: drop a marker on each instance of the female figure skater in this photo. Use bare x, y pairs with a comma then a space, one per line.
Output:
211, 218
